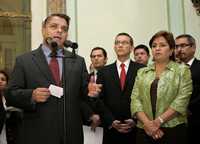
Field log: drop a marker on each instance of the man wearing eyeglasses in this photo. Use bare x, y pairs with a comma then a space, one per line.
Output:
36, 87
117, 81
185, 50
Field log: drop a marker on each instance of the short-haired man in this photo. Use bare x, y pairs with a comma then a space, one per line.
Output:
98, 57
28, 89
186, 47
141, 54
117, 81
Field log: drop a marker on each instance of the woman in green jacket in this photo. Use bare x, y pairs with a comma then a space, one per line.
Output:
161, 94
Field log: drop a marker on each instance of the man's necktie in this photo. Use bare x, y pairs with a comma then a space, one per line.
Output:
54, 67
122, 76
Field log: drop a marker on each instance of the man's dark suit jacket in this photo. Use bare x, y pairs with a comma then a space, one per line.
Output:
194, 104
116, 103
43, 122
86, 108
2, 114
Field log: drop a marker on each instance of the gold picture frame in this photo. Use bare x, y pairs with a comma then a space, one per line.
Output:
56, 6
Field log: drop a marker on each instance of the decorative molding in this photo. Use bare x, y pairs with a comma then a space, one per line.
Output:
14, 15
15, 30
196, 5
56, 6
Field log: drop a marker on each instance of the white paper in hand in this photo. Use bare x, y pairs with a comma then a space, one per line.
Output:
56, 91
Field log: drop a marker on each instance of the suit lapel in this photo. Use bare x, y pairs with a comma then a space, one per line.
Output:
195, 68
115, 75
41, 62
194, 63
130, 74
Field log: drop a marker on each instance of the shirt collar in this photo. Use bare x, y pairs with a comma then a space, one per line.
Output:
190, 61
47, 51
95, 71
127, 62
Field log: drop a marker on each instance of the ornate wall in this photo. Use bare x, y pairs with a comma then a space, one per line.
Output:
15, 37
56, 6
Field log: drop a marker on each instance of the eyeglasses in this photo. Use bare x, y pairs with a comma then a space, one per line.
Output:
55, 26
122, 42
184, 45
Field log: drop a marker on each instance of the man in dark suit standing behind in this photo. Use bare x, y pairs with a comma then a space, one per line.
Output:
2, 114
98, 58
185, 50
113, 103
29, 90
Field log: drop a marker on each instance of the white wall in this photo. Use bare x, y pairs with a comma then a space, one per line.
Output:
192, 24
176, 17
99, 21
96, 22
38, 9
183, 19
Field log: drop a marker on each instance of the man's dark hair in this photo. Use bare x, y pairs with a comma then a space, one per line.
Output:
190, 39
64, 16
99, 48
126, 34
141, 46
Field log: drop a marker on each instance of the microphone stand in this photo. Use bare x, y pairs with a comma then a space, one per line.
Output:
66, 95
66, 86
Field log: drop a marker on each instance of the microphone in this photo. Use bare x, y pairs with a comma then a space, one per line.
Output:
70, 44
54, 46
51, 42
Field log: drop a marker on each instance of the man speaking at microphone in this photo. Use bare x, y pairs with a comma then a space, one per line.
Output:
36, 83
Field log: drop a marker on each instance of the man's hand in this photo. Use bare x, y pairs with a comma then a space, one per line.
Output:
95, 121
131, 123
40, 94
126, 126
93, 88
123, 127
116, 124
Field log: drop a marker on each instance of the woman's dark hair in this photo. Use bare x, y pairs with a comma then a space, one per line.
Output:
169, 38
5, 74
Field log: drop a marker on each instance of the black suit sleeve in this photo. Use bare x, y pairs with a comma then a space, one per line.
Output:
194, 104
196, 93
2, 114
98, 105
16, 94
86, 112
86, 109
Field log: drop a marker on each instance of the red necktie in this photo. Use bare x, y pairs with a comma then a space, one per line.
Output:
54, 67
122, 76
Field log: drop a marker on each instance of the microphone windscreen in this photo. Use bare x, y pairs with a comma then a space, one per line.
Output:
71, 44
51, 42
